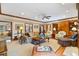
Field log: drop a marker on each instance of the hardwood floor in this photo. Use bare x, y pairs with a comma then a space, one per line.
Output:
60, 51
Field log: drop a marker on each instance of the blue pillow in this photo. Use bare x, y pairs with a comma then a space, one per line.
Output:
74, 36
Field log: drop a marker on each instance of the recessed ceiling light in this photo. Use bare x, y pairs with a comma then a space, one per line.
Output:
22, 13
62, 3
67, 11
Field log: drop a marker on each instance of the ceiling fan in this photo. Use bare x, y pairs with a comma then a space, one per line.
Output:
46, 17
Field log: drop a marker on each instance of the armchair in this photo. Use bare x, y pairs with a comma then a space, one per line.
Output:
68, 41
60, 35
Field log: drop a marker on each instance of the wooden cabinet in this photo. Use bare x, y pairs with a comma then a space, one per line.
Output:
63, 26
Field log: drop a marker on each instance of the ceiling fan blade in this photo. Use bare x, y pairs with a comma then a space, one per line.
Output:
48, 17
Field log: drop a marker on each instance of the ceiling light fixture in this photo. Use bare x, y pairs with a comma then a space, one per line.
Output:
46, 17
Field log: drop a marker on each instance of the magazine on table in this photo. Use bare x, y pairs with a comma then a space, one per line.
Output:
43, 48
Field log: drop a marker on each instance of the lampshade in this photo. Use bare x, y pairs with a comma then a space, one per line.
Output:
54, 29
75, 23
21, 28
74, 29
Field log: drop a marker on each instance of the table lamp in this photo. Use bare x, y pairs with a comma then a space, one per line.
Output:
21, 29
74, 29
54, 29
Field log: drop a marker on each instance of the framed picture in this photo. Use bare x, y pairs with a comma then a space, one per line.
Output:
35, 26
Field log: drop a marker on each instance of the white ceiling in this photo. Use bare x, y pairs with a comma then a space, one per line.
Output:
38, 10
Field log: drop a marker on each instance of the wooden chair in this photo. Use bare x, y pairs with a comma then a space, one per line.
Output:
3, 48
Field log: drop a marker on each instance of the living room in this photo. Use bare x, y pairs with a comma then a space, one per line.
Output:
42, 34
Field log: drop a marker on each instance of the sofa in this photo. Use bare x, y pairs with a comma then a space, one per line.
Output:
37, 41
68, 41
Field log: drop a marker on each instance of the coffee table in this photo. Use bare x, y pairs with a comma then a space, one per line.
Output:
42, 53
